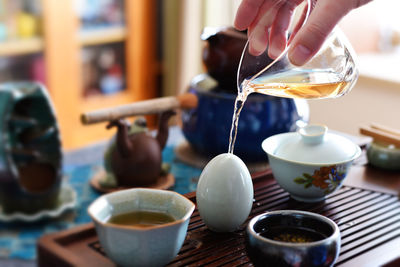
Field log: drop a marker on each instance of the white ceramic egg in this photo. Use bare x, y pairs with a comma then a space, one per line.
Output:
224, 193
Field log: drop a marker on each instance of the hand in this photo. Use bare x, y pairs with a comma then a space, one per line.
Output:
267, 21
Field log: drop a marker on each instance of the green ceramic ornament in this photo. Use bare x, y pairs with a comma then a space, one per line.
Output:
30, 149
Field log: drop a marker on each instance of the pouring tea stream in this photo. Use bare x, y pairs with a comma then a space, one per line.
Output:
225, 190
330, 73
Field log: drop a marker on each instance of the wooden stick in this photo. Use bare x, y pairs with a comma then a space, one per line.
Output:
152, 106
380, 135
385, 129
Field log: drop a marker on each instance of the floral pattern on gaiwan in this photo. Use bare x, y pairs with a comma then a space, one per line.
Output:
327, 178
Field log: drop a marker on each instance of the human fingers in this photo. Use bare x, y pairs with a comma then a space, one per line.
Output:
303, 17
278, 32
258, 31
324, 17
246, 13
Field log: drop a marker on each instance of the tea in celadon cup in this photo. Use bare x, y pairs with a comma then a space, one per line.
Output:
140, 226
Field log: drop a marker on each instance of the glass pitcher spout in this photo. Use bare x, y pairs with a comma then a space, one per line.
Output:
331, 72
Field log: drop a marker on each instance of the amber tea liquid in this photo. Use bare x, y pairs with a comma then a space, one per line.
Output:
239, 103
301, 84
310, 84
141, 218
292, 234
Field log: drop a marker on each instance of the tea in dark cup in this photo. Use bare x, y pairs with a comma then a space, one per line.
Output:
292, 238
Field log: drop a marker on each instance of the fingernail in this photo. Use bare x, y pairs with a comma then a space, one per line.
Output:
299, 55
256, 47
274, 51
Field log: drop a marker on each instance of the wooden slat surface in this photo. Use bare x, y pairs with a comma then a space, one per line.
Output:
369, 222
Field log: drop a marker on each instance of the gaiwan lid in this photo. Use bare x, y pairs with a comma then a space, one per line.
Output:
312, 144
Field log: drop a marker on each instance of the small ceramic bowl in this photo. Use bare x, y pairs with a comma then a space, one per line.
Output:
384, 156
137, 246
310, 163
273, 239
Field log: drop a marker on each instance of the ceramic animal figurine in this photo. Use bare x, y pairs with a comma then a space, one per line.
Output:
30, 150
135, 157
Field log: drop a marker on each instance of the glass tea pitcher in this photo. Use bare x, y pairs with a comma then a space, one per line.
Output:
332, 72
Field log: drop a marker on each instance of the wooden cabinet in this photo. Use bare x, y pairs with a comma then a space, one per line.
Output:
62, 42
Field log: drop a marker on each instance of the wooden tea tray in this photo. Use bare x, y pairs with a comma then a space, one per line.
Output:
367, 214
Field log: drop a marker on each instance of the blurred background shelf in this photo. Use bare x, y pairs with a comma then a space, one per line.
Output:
98, 101
21, 46
90, 54
98, 54
104, 35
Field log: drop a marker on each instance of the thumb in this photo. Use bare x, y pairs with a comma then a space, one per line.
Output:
308, 40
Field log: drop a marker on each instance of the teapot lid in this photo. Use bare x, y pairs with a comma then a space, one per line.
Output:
314, 144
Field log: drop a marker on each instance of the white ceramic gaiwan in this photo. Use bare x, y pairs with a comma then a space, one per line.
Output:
310, 163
